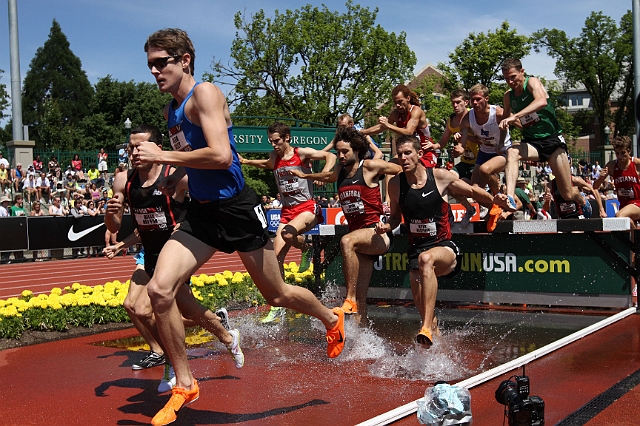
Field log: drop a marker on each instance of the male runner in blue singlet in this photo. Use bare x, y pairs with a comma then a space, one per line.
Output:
223, 214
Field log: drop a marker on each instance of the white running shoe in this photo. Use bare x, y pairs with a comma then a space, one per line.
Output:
168, 381
234, 348
224, 318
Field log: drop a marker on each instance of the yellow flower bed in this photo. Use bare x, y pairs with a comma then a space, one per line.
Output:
81, 305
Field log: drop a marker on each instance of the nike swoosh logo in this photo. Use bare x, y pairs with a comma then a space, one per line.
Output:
75, 236
355, 181
525, 98
341, 339
427, 194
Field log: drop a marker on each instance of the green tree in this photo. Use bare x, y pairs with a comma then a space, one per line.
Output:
55, 73
115, 101
4, 96
313, 63
53, 128
437, 106
479, 57
601, 59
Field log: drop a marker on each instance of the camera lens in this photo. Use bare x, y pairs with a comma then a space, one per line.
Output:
507, 393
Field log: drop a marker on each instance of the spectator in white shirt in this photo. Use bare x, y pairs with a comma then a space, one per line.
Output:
43, 188
4, 206
30, 187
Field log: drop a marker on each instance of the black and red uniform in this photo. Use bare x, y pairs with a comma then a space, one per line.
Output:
428, 217
361, 204
154, 214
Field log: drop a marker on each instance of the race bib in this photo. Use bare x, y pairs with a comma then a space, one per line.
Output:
488, 141
290, 186
151, 220
178, 140
353, 208
422, 229
567, 207
625, 193
529, 119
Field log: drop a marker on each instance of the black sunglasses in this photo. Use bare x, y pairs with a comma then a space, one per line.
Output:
161, 63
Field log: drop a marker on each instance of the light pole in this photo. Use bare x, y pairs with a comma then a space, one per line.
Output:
127, 125
607, 145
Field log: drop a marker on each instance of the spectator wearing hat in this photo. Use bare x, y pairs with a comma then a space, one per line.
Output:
523, 202
4, 206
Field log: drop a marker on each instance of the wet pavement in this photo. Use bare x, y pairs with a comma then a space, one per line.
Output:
287, 379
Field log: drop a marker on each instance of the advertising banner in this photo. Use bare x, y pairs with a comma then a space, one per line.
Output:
47, 232
561, 263
254, 139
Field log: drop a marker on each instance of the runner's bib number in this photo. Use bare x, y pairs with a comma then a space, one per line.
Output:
353, 208
290, 186
423, 229
151, 220
529, 119
177, 139
625, 193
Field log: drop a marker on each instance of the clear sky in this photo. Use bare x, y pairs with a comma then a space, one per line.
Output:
108, 35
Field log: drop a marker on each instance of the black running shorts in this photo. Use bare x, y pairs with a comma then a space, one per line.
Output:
464, 170
414, 252
547, 146
237, 223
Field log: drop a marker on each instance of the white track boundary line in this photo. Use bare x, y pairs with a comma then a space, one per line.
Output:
412, 407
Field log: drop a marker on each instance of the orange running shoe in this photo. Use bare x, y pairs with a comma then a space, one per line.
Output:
424, 337
179, 398
335, 336
494, 215
350, 307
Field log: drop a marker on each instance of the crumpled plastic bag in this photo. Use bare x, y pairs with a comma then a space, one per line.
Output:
445, 405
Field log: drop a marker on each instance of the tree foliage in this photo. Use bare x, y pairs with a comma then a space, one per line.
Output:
113, 103
601, 59
4, 96
55, 73
479, 57
313, 63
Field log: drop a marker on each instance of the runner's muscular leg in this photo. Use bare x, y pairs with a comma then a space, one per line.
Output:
356, 248
462, 200
292, 232
138, 288
521, 151
180, 257
559, 163
262, 265
632, 212
432, 264
490, 171
192, 310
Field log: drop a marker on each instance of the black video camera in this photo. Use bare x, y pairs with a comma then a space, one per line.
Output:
521, 409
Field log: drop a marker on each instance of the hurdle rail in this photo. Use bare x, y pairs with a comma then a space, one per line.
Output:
608, 238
